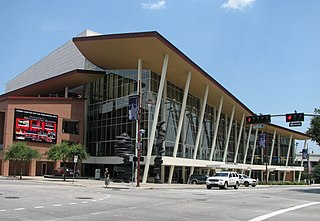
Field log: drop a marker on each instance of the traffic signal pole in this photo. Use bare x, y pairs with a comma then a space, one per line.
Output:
294, 119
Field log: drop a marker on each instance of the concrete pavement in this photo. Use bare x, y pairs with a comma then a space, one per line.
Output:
95, 183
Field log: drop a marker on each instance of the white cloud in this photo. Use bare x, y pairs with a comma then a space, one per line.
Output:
237, 4
154, 6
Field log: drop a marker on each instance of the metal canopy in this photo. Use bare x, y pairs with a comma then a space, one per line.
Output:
122, 51
70, 79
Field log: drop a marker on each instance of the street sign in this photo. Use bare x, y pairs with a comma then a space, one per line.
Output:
295, 124
258, 126
75, 159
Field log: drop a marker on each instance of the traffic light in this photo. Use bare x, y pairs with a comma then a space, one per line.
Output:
294, 117
258, 119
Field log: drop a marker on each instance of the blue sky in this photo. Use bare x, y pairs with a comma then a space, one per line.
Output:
265, 52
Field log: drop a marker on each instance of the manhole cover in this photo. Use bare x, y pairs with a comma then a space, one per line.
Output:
12, 197
84, 198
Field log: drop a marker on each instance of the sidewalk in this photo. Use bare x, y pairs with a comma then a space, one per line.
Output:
90, 182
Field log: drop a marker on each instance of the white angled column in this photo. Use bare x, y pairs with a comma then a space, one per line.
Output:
228, 134
216, 128
181, 118
215, 132
248, 143
287, 160
155, 119
272, 146
271, 152
239, 139
203, 109
254, 149
301, 165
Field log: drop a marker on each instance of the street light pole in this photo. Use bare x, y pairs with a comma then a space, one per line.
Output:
265, 152
309, 169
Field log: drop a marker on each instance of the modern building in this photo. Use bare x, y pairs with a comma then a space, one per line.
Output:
86, 86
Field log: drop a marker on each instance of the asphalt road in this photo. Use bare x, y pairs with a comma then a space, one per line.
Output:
25, 200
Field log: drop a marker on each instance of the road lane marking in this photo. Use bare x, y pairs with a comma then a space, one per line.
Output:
59, 205
18, 209
97, 213
38, 207
269, 215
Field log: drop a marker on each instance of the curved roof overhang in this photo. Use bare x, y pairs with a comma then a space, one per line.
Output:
122, 51
69, 80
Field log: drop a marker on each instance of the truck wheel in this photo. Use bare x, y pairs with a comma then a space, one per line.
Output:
225, 186
209, 187
236, 186
246, 184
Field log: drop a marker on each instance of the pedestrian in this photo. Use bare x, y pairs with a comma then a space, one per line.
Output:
107, 177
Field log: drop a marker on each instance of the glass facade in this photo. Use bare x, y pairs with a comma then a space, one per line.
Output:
108, 113
107, 117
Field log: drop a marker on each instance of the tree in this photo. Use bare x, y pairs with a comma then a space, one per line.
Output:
314, 129
316, 173
19, 151
66, 152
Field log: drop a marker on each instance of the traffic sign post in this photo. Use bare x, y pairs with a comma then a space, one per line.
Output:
75, 160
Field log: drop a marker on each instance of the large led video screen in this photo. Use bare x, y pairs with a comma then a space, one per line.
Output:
35, 126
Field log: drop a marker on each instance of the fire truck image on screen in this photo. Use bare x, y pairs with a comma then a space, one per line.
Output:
35, 126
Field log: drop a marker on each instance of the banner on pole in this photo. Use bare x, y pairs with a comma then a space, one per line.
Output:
262, 140
133, 108
304, 153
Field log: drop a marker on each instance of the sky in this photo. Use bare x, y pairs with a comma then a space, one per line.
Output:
265, 52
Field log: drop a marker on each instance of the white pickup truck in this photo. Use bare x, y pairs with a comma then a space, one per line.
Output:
223, 180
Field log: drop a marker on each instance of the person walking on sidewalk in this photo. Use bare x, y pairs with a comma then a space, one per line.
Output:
107, 177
